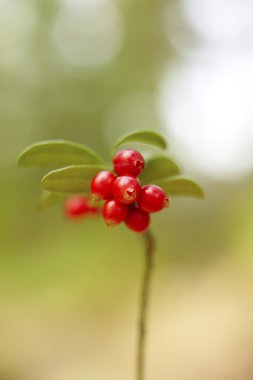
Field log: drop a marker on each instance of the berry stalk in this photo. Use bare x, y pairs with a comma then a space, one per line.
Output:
144, 304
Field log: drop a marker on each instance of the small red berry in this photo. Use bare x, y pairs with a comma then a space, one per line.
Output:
126, 189
78, 206
102, 185
128, 161
153, 199
137, 220
114, 212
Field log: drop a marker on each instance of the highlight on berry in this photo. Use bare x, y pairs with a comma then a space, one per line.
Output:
128, 189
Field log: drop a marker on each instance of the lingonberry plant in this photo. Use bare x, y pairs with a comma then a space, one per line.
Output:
131, 191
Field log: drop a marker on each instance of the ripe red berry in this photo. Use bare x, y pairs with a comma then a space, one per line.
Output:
114, 212
137, 220
128, 161
153, 199
127, 189
102, 185
78, 206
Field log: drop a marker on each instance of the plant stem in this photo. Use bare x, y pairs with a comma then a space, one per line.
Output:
144, 303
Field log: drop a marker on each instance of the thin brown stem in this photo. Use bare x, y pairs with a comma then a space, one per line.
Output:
144, 304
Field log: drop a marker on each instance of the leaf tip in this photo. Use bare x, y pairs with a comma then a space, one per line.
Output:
20, 160
43, 182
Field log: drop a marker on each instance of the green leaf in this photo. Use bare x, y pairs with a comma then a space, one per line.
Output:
180, 185
72, 179
56, 154
145, 137
49, 199
158, 167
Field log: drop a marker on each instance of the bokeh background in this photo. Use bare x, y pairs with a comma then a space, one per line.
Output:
88, 71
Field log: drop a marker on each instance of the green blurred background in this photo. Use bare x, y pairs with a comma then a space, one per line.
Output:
88, 71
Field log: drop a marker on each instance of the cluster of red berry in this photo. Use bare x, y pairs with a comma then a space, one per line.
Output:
125, 199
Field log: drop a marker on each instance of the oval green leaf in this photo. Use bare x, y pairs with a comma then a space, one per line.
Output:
71, 180
49, 199
57, 153
158, 167
180, 185
144, 137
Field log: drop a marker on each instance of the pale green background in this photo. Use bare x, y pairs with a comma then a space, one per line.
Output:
68, 292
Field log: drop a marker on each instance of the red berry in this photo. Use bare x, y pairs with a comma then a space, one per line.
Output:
153, 199
78, 206
127, 189
137, 220
114, 212
128, 161
102, 185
